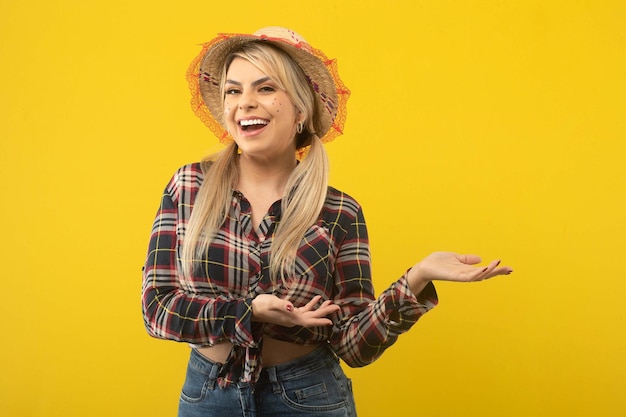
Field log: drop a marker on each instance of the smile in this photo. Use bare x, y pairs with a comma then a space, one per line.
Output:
252, 124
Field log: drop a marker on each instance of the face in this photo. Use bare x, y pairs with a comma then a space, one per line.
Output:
260, 117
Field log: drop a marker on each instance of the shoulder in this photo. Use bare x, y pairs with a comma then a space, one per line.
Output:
187, 178
341, 203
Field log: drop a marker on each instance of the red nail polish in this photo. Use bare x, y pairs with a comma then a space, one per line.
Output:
289, 307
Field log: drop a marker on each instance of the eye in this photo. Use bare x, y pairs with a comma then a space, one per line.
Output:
231, 91
267, 89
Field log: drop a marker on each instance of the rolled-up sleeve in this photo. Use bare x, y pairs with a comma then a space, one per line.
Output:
368, 325
171, 309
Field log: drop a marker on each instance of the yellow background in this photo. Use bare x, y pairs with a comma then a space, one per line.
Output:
482, 126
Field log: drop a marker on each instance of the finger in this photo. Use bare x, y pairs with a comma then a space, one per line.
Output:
505, 270
484, 274
478, 274
319, 317
327, 309
492, 271
317, 322
311, 304
323, 311
469, 259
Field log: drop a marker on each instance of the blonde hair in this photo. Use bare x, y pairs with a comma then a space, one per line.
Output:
306, 187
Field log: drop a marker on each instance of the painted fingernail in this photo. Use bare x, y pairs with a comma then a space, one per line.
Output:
498, 263
289, 307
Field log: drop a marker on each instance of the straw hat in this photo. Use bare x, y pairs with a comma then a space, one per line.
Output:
205, 72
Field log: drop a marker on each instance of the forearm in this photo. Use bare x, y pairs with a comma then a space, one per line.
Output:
416, 282
170, 313
373, 325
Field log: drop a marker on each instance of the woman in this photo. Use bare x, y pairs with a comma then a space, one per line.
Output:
256, 262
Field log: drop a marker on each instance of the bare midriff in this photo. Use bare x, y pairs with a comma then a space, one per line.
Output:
274, 351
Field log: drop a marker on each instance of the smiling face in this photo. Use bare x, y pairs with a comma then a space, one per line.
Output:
258, 113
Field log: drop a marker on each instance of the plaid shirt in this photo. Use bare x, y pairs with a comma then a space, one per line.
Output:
215, 304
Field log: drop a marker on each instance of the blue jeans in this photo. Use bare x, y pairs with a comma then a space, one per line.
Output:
313, 385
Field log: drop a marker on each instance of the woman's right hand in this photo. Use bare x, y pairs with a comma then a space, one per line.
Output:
269, 308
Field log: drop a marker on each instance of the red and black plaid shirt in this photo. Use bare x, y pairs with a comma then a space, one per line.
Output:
214, 305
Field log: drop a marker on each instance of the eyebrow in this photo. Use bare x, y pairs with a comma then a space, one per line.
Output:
254, 84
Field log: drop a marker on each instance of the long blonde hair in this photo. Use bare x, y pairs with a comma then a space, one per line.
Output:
306, 187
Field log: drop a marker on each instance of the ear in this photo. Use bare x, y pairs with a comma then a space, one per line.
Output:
300, 117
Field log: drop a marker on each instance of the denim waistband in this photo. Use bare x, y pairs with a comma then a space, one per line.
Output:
205, 366
321, 357
297, 368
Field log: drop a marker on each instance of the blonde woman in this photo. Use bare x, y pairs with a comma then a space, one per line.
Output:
256, 262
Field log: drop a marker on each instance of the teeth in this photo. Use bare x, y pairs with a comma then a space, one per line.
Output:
253, 122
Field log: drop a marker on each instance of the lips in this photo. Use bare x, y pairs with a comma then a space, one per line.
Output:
248, 125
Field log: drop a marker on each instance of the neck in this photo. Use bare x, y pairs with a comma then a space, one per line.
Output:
264, 176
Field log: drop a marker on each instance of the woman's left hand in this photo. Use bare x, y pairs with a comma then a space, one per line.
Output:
449, 266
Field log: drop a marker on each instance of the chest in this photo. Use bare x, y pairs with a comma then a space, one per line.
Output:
236, 264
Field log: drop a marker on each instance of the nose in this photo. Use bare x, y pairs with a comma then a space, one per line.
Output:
247, 100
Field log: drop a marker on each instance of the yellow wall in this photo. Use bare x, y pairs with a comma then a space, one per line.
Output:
485, 126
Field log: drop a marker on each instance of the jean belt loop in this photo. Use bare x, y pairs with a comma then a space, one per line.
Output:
213, 373
273, 377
